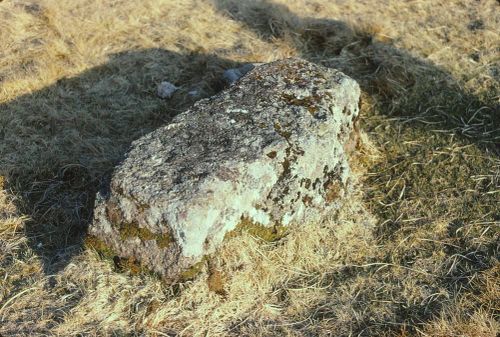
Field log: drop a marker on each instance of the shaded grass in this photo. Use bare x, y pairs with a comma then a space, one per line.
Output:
79, 128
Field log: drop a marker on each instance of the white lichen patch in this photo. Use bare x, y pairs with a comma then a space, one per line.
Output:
236, 110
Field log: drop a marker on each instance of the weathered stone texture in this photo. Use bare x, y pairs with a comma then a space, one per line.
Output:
267, 151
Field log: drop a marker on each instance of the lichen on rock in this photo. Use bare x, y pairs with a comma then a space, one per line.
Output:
266, 233
267, 152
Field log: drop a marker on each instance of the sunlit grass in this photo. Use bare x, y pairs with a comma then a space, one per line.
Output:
415, 252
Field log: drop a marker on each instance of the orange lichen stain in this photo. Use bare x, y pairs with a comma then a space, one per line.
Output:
332, 191
216, 281
272, 154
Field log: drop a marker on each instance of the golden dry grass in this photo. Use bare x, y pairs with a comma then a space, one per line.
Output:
414, 253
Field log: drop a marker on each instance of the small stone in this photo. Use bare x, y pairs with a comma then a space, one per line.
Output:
166, 89
194, 93
234, 74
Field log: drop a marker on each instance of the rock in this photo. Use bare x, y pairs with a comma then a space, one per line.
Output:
194, 93
265, 153
234, 74
166, 89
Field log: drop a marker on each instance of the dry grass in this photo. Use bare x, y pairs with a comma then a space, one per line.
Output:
416, 252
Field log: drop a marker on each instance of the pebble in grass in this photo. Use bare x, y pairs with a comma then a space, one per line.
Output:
166, 89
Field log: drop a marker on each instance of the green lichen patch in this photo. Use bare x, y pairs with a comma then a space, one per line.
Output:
132, 230
192, 271
103, 249
121, 264
163, 240
268, 234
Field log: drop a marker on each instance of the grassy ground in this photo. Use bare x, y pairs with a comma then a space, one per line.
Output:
416, 252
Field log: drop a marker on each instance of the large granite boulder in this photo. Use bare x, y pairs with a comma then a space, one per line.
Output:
265, 153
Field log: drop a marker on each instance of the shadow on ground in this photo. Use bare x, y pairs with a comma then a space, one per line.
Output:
423, 94
60, 142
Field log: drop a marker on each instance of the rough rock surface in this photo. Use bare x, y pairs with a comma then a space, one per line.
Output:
267, 152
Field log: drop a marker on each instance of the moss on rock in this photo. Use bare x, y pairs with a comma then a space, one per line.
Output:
192, 271
163, 240
130, 264
132, 230
101, 247
269, 234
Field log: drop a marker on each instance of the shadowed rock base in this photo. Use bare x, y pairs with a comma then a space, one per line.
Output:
265, 153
